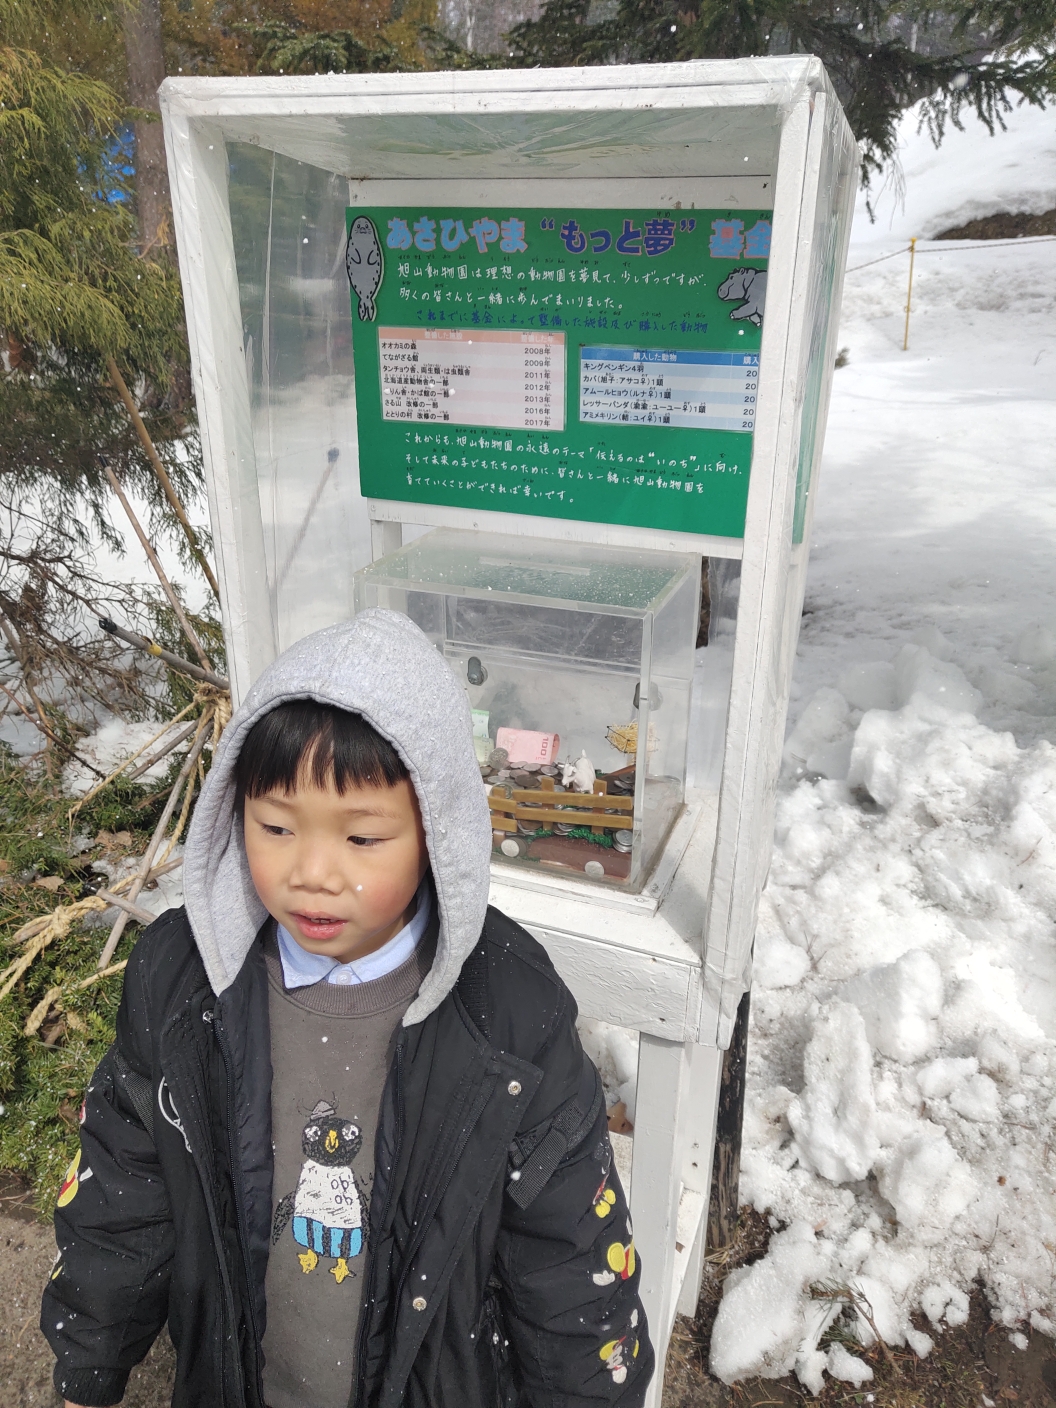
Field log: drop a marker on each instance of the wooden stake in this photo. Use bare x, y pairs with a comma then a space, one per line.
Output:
162, 473
726, 1170
166, 585
909, 291
152, 850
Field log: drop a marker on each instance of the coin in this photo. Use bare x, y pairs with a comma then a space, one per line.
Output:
526, 828
623, 840
562, 828
498, 757
510, 847
594, 869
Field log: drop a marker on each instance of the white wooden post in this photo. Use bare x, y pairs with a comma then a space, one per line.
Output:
705, 1084
384, 538
670, 1173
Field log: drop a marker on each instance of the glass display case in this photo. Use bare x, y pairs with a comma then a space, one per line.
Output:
577, 660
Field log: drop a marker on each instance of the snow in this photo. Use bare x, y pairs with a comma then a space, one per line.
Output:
614, 1051
165, 892
113, 743
969, 176
833, 1119
902, 1057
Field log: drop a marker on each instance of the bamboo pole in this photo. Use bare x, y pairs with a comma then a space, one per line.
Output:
166, 585
174, 662
909, 291
180, 737
133, 910
162, 473
155, 841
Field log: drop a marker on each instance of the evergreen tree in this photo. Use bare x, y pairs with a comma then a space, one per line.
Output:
74, 292
996, 50
297, 36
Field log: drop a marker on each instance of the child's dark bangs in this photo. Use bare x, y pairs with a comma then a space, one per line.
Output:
334, 744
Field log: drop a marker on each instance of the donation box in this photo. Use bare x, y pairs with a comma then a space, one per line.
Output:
542, 358
583, 655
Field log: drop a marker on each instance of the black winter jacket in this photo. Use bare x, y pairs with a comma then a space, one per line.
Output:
500, 1271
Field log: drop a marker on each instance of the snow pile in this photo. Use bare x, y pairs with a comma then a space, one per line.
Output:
614, 1051
902, 1088
901, 1094
112, 744
165, 892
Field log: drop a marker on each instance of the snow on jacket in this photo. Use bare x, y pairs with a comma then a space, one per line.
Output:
500, 1263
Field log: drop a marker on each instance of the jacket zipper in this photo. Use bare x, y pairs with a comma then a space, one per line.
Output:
372, 1276
235, 1162
471, 1121
218, 1244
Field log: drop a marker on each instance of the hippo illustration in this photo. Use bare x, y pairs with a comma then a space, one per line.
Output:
749, 284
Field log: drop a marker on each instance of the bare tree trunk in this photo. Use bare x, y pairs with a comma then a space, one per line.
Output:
146, 69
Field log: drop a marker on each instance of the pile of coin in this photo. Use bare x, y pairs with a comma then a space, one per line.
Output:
621, 784
622, 841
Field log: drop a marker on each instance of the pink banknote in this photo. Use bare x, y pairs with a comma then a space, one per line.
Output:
524, 746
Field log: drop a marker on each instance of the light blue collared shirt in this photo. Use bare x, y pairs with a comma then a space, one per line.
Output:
301, 968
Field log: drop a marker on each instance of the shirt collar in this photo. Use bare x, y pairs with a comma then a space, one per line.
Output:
300, 968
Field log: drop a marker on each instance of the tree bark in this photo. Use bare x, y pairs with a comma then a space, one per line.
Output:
726, 1170
146, 69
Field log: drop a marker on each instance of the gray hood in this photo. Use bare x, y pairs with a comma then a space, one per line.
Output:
379, 665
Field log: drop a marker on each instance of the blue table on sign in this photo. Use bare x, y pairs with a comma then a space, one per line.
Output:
654, 386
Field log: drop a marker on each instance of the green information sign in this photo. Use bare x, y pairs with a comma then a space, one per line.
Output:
589, 364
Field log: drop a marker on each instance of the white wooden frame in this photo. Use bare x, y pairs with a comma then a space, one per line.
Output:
675, 975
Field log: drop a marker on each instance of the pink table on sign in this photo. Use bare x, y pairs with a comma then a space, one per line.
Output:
479, 376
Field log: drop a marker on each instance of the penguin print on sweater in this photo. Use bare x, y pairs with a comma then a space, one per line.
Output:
326, 1208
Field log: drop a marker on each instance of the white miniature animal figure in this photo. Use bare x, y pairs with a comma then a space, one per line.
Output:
578, 775
749, 284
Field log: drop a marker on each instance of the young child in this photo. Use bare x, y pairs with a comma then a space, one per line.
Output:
347, 1143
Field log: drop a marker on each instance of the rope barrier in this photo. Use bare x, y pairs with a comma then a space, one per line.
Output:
937, 248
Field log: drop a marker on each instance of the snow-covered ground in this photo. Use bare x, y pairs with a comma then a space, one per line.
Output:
902, 1062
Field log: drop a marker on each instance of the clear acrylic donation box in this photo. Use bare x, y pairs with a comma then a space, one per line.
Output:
578, 662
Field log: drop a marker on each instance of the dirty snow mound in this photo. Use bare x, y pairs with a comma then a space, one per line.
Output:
900, 1105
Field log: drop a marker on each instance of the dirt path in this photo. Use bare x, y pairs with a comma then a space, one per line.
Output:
27, 1251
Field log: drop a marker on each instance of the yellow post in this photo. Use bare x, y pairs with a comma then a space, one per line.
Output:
909, 291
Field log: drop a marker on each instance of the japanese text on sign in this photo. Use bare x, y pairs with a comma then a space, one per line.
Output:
598, 364
650, 386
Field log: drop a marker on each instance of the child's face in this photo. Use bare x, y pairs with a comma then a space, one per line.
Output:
338, 870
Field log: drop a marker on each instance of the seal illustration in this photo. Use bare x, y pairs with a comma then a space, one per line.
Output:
365, 264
